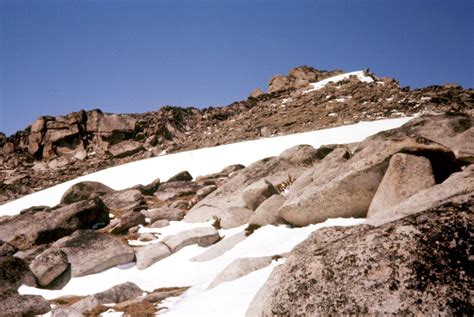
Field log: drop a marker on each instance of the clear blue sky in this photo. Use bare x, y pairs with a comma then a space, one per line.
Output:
134, 56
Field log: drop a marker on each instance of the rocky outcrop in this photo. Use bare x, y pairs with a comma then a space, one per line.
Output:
55, 149
346, 189
420, 264
124, 200
183, 176
298, 77
116, 294
126, 221
176, 189
125, 148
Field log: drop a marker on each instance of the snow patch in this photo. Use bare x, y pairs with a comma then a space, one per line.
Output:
323, 83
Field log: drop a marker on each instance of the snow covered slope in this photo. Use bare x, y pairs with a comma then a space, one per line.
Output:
320, 84
204, 161
229, 298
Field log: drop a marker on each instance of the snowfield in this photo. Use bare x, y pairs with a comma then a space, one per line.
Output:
229, 298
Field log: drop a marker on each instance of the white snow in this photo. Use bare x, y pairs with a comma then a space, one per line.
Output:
227, 299
203, 161
322, 83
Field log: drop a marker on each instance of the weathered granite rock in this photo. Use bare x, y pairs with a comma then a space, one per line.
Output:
201, 236
91, 252
267, 212
458, 188
347, 189
150, 254
42, 227
48, 266
125, 200
239, 268
220, 247
125, 148
229, 194
14, 304
127, 221
405, 176
164, 213
418, 265
85, 190
257, 193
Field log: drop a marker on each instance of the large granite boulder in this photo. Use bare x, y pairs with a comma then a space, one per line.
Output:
203, 237
150, 254
458, 188
257, 193
406, 175
418, 265
122, 201
91, 252
347, 189
267, 212
47, 226
275, 170
454, 130
48, 266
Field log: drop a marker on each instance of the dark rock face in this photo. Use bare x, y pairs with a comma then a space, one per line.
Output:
125, 148
14, 304
83, 191
418, 265
183, 176
128, 220
13, 272
42, 227
124, 200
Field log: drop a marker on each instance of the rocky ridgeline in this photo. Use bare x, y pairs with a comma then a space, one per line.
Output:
414, 184
55, 149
